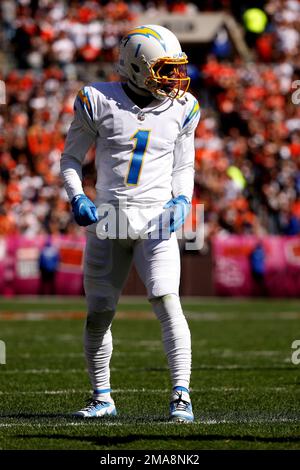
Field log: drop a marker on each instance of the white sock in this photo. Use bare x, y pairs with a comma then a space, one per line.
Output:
103, 395
176, 338
98, 350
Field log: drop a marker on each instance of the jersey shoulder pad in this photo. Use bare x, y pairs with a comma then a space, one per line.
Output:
91, 100
105, 88
85, 103
93, 97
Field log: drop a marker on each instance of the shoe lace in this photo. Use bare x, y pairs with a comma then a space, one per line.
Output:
180, 404
91, 403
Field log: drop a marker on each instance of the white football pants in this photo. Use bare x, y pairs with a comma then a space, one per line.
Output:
106, 266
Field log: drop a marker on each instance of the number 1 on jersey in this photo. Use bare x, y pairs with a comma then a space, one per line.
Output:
141, 138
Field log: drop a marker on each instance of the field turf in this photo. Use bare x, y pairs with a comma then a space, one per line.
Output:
245, 388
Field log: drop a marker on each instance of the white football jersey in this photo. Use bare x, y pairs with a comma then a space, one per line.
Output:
144, 155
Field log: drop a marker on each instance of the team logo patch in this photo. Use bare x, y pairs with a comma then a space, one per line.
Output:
84, 100
195, 110
148, 32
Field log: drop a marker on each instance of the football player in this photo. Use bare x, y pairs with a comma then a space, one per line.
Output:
143, 128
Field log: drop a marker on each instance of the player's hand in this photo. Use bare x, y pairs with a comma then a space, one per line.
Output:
180, 207
85, 211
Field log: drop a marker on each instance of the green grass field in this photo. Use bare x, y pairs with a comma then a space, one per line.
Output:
245, 388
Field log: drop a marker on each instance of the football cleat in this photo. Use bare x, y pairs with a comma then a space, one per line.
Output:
181, 408
97, 409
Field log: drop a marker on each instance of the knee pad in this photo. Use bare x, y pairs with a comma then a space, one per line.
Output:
166, 305
173, 322
101, 311
168, 300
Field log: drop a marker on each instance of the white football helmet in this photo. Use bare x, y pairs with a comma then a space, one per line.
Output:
151, 59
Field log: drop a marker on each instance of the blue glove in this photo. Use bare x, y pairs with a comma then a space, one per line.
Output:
85, 211
180, 207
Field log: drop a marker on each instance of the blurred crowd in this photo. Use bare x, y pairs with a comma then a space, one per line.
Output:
45, 31
248, 150
247, 142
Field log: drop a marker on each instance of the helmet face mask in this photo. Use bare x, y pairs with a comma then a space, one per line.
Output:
151, 59
168, 77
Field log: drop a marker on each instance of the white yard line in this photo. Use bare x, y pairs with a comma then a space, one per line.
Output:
202, 352
146, 390
200, 422
40, 371
145, 314
222, 316
79, 354
114, 369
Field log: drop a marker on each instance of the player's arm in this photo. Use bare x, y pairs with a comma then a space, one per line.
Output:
81, 135
183, 168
